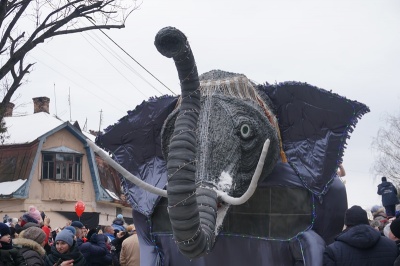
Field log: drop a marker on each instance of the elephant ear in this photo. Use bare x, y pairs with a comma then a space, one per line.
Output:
314, 126
135, 143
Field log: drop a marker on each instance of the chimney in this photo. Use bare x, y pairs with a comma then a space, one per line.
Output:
41, 104
9, 109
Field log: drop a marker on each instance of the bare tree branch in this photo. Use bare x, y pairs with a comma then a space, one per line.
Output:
387, 147
51, 18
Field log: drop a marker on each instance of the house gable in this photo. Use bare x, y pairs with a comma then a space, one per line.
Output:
27, 159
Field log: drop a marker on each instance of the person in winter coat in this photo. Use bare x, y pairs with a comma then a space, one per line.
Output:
30, 245
118, 223
394, 234
9, 255
32, 216
64, 251
389, 196
116, 246
130, 252
109, 232
359, 243
95, 251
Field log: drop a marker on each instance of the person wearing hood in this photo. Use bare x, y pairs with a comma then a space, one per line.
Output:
64, 251
359, 243
389, 196
30, 245
118, 224
95, 251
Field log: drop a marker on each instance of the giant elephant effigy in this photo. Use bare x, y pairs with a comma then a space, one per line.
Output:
249, 170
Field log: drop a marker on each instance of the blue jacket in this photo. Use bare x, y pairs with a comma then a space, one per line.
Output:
361, 245
118, 224
95, 251
388, 192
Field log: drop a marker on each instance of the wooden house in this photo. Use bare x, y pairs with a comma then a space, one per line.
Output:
47, 163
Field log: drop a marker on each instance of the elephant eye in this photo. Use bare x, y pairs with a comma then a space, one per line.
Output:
245, 131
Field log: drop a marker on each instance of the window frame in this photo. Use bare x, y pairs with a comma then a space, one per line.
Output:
59, 166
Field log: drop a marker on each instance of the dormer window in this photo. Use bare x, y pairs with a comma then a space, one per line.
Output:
61, 164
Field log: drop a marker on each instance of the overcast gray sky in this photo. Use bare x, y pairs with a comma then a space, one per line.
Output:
349, 47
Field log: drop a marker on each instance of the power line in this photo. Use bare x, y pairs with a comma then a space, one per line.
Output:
122, 49
117, 69
119, 58
78, 85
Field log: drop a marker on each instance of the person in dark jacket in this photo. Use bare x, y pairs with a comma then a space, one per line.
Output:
30, 245
116, 246
9, 255
389, 196
119, 224
359, 243
394, 234
95, 251
78, 232
64, 251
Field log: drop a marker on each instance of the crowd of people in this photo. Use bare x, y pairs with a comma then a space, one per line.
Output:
29, 240
370, 237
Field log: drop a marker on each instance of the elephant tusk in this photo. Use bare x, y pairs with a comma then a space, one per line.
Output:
253, 184
135, 180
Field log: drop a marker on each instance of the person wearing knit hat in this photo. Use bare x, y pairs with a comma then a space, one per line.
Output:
394, 234
35, 214
67, 236
355, 216
30, 243
78, 232
71, 228
118, 223
77, 224
27, 218
4, 230
9, 255
65, 250
359, 243
34, 233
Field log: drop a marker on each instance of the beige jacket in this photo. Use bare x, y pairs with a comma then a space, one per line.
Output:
130, 253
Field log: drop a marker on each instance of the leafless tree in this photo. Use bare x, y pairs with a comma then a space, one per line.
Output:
387, 146
26, 23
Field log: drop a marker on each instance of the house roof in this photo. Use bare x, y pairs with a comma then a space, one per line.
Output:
10, 186
28, 128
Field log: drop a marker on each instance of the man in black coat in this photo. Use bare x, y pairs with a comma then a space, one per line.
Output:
389, 196
394, 234
359, 243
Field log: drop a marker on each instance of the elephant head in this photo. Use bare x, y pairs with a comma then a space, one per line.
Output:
211, 142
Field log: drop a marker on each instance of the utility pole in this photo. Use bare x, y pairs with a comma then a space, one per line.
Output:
101, 118
85, 126
69, 102
55, 98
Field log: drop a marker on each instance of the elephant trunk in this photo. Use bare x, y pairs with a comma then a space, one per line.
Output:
192, 211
